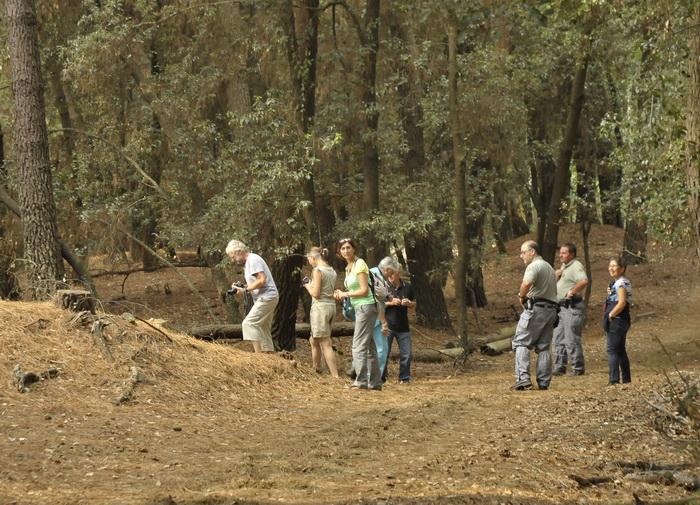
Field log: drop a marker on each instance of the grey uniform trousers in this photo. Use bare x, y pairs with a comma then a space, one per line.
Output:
534, 331
567, 339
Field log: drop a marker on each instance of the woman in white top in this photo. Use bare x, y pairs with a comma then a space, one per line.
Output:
320, 287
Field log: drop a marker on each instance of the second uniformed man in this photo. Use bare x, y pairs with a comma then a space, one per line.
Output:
572, 280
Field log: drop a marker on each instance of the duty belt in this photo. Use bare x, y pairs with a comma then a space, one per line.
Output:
544, 302
570, 302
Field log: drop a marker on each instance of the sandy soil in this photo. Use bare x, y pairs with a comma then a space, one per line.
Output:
212, 423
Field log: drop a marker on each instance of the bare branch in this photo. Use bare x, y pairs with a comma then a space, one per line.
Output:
149, 180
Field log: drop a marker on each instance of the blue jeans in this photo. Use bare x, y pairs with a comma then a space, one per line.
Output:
405, 353
618, 362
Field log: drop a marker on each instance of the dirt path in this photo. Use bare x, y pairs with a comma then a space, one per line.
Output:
216, 424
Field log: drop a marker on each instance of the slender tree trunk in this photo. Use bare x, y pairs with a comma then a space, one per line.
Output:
460, 215
480, 183
541, 172
634, 248
427, 250
302, 50
693, 136
563, 173
368, 99
287, 275
41, 243
610, 174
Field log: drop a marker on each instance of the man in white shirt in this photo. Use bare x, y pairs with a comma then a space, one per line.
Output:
257, 325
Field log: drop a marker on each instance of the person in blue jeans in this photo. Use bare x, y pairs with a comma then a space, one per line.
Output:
396, 312
617, 321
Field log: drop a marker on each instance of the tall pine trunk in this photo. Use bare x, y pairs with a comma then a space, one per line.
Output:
460, 195
41, 243
428, 249
287, 275
563, 174
693, 135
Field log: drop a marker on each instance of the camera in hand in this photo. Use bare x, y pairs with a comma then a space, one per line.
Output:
305, 280
232, 291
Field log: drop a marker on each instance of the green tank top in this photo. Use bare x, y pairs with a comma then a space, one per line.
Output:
352, 283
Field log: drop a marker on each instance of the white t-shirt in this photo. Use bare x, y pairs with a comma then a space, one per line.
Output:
253, 265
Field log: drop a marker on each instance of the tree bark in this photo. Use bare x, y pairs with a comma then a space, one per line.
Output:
634, 248
425, 251
367, 91
428, 286
302, 50
693, 135
562, 177
287, 275
41, 243
460, 214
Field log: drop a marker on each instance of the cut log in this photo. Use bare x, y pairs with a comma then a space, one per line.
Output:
77, 300
687, 480
217, 331
497, 347
506, 332
590, 481
436, 355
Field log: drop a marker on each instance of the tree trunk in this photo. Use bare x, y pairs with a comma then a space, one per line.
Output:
368, 98
460, 214
634, 248
635, 241
427, 250
562, 177
302, 49
287, 275
41, 245
480, 177
609, 174
693, 136
428, 286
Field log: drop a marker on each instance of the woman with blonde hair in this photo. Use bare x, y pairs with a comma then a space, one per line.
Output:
320, 287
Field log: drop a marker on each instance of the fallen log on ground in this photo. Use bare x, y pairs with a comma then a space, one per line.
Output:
506, 332
590, 481
217, 331
497, 347
436, 355
684, 479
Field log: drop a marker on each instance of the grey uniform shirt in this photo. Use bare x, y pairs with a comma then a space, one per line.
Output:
543, 278
571, 273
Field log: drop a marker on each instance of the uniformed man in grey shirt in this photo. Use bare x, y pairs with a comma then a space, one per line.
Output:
572, 280
538, 297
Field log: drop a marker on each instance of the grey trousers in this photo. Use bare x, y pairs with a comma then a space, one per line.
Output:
534, 331
364, 351
567, 339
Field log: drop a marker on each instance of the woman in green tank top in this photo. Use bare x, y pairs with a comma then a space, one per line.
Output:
364, 351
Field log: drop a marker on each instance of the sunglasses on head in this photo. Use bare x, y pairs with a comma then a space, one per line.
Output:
344, 240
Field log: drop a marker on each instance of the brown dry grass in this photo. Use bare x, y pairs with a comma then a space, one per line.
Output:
218, 424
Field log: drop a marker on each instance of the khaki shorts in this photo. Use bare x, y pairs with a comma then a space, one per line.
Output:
321, 318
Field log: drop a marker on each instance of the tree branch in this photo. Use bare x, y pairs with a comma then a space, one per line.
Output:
170, 265
149, 180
